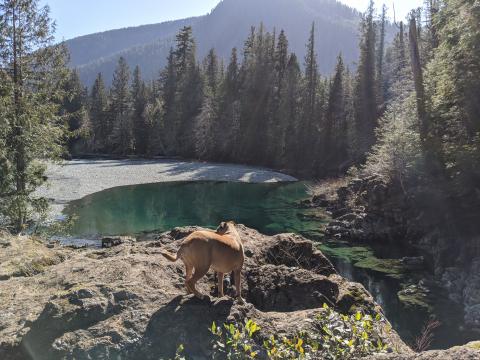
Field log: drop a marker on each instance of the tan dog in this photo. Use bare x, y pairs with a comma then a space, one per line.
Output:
221, 250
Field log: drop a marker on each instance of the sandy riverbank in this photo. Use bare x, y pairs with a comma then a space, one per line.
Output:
78, 178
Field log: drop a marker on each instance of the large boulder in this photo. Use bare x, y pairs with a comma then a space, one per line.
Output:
129, 302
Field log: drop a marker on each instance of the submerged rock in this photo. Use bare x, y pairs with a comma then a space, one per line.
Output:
129, 302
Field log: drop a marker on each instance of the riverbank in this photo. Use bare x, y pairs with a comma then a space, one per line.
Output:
127, 301
73, 180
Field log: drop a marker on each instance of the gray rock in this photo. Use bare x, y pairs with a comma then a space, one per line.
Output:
130, 302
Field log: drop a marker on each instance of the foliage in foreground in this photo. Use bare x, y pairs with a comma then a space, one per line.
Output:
338, 337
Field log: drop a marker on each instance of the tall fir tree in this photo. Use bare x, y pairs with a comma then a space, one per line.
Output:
335, 140
33, 73
168, 89
99, 115
380, 60
74, 108
120, 110
229, 112
365, 105
308, 130
290, 115
189, 94
139, 100
208, 134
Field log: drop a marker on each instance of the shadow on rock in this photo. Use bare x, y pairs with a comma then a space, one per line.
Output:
185, 320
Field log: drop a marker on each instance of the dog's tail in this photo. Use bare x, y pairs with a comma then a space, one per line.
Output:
169, 256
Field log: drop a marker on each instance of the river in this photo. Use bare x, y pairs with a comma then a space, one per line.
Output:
273, 208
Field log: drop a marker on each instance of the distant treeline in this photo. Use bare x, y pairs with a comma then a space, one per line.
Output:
259, 109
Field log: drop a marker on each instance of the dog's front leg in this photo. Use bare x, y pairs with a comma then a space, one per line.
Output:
220, 284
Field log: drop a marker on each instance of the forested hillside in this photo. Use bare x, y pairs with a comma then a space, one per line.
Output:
408, 113
225, 27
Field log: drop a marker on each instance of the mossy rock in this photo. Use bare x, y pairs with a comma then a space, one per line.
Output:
27, 256
474, 345
363, 257
414, 296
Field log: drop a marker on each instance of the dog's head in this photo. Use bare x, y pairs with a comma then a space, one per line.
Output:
224, 226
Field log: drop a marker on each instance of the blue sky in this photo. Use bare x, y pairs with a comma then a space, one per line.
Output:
81, 17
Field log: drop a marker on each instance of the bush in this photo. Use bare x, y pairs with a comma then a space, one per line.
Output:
338, 337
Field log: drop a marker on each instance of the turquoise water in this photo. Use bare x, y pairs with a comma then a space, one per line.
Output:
270, 208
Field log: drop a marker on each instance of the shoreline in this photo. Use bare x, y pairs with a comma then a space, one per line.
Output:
75, 179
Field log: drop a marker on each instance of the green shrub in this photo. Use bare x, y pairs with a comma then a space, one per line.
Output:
338, 337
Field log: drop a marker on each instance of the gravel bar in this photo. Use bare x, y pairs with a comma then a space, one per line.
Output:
76, 179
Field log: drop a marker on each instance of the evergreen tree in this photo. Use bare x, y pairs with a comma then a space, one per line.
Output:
380, 58
33, 73
99, 115
207, 132
189, 94
365, 103
290, 115
120, 110
309, 127
453, 95
229, 118
277, 124
168, 86
139, 99
74, 108
335, 141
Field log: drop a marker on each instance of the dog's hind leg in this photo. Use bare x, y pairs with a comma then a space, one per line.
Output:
197, 275
220, 284
188, 276
238, 285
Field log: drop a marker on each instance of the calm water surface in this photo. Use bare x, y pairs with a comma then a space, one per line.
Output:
270, 208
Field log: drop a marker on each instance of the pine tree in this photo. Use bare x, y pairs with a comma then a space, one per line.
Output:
33, 73
277, 124
139, 99
308, 131
121, 109
379, 60
208, 134
189, 94
453, 87
229, 117
290, 115
335, 130
365, 104
74, 108
168, 85
99, 115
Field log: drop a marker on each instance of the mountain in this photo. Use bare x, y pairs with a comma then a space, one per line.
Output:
227, 26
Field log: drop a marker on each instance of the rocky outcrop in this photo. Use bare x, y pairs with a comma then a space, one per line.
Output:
369, 210
129, 302
470, 351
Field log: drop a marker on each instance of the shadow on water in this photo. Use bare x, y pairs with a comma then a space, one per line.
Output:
272, 208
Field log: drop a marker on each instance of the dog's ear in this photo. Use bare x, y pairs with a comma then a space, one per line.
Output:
232, 222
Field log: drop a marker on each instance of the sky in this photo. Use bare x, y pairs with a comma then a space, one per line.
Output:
82, 17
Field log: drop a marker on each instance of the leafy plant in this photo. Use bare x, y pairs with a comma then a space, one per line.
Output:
234, 341
338, 337
348, 336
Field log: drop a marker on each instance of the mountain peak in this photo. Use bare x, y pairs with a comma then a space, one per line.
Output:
225, 27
